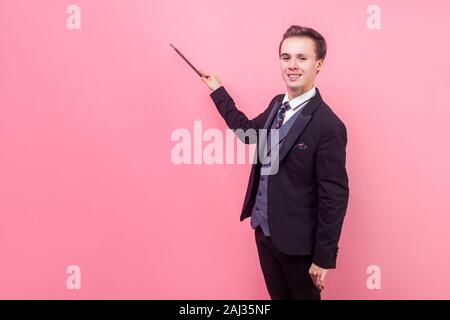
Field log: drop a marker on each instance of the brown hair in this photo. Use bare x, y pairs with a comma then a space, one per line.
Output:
298, 31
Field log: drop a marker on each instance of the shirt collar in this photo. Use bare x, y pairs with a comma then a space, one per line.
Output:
294, 103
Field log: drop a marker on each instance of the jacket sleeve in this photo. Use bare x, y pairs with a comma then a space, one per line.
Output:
235, 119
333, 195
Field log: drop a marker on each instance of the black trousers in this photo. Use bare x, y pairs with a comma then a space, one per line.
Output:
287, 277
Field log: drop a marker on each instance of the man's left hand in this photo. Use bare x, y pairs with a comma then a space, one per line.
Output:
318, 276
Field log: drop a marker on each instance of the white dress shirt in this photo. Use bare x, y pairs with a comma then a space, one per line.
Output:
297, 103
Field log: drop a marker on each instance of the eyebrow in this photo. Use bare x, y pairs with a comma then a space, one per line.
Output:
298, 55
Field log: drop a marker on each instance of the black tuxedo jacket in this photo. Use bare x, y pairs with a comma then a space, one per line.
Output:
308, 196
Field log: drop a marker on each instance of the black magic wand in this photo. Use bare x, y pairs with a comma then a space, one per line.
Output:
181, 55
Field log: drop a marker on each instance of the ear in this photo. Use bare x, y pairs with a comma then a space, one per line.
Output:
319, 66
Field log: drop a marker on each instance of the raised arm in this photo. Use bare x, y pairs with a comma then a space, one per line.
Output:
234, 118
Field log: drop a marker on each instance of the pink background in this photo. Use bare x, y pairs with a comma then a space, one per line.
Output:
86, 117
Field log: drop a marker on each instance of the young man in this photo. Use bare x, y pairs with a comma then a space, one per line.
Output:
298, 212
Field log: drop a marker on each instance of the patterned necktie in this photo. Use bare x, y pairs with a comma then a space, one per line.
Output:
280, 115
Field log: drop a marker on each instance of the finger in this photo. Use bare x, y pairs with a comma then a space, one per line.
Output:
311, 274
204, 74
321, 279
318, 280
314, 277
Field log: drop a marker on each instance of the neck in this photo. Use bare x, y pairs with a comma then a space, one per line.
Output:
293, 93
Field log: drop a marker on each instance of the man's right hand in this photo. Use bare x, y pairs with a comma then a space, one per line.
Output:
212, 81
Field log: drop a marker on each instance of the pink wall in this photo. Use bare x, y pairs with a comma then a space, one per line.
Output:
86, 117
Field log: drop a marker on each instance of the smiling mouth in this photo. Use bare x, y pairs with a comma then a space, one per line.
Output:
294, 77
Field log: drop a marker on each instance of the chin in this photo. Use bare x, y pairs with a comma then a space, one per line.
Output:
295, 88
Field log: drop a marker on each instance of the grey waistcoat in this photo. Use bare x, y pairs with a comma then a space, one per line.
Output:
259, 212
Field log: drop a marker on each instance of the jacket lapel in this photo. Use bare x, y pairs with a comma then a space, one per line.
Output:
272, 113
300, 124
284, 130
297, 127
268, 124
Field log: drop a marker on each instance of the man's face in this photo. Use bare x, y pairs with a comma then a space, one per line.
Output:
298, 64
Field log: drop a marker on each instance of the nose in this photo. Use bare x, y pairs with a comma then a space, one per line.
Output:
293, 64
